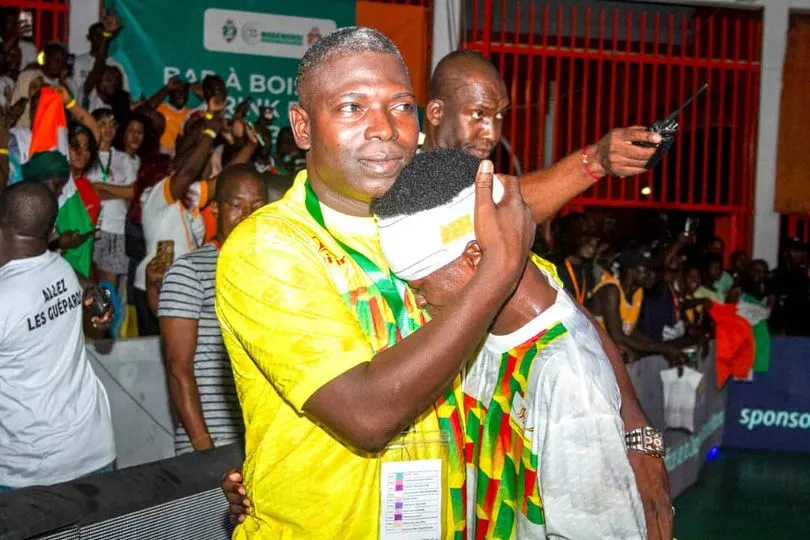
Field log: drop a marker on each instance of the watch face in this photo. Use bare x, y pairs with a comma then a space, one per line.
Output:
653, 441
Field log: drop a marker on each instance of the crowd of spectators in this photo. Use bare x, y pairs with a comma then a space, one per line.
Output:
147, 190
144, 193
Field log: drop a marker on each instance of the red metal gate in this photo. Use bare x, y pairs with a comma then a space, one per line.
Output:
574, 73
50, 18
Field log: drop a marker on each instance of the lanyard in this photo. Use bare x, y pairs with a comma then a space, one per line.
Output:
105, 173
391, 288
578, 292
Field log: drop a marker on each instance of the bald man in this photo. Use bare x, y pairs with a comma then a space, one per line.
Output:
466, 107
55, 415
467, 103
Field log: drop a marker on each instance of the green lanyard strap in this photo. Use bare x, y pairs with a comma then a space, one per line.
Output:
391, 288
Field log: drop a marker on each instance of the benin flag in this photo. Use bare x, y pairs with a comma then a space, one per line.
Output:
50, 133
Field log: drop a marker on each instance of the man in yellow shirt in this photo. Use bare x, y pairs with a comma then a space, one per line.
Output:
320, 335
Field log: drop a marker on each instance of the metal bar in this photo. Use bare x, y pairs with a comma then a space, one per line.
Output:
681, 98
619, 203
528, 93
558, 74
487, 28
692, 140
735, 117
639, 102
513, 96
583, 110
543, 93
650, 180
597, 131
578, 53
569, 133
627, 40
707, 118
667, 101
613, 82
720, 178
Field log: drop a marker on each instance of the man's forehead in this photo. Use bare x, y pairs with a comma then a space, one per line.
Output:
482, 89
360, 74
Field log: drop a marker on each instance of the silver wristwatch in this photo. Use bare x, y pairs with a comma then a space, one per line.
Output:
645, 440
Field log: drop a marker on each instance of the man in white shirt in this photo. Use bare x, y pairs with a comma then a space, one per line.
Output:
171, 211
55, 423
546, 453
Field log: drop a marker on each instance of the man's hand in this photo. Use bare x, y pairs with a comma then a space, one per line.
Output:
653, 488
64, 93
100, 323
155, 271
72, 239
505, 231
675, 356
236, 495
616, 154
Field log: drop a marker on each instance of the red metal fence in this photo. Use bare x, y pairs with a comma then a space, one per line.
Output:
50, 18
574, 73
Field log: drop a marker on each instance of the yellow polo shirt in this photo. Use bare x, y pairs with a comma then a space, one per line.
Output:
296, 312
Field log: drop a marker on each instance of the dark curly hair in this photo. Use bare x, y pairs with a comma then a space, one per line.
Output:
432, 179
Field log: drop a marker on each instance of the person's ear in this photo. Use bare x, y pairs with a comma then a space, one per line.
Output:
472, 255
434, 112
299, 123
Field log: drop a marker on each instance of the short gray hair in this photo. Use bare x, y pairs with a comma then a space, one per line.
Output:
343, 42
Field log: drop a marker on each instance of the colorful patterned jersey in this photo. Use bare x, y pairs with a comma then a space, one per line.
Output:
544, 441
296, 311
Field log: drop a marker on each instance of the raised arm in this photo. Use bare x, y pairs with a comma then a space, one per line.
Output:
190, 168
546, 191
111, 27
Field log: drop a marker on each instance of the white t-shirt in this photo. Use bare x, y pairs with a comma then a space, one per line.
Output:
55, 420
563, 402
164, 218
82, 67
123, 171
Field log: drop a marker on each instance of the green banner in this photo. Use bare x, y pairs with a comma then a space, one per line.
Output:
254, 45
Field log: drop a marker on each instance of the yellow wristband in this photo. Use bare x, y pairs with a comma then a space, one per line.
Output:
3, 151
211, 133
209, 116
71, 105
107, 34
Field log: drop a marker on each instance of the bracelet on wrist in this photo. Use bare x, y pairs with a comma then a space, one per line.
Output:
211, 133
586, 164
209, 116
3, 151
202, 437
71, 104
106, 34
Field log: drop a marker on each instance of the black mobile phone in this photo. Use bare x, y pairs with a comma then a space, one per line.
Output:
667, 128
102, 301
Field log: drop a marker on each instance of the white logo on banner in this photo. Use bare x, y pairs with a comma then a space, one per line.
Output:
246, 32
